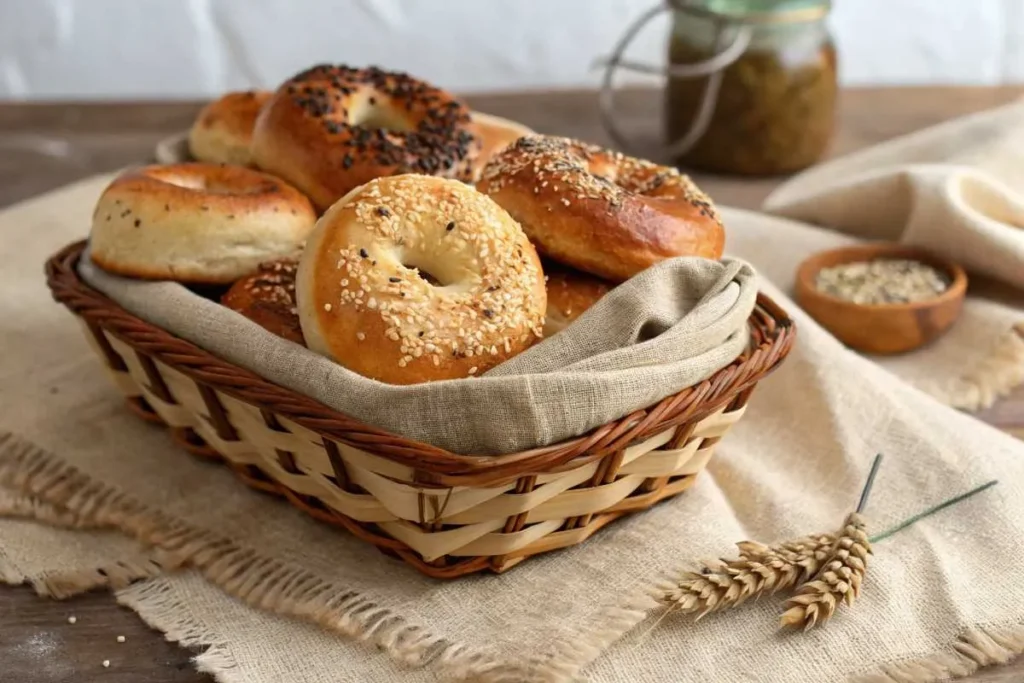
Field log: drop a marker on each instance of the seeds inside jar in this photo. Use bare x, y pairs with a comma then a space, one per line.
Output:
885, 281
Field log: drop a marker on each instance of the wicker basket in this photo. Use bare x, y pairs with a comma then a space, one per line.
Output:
447, 515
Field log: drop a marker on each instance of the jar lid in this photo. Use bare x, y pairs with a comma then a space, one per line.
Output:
758, 11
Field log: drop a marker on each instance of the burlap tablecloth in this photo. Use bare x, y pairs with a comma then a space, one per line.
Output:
940, 598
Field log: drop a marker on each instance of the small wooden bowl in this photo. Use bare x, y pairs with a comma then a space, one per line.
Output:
881, 328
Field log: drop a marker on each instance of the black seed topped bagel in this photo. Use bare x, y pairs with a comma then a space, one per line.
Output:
330, 129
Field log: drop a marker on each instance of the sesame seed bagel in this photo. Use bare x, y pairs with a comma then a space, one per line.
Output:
267, 297
222, 132
330, 129
196, 222
570, 293
601, 211
412, 278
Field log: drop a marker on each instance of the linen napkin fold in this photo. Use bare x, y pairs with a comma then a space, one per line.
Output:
938, 602
670, 327
956, 189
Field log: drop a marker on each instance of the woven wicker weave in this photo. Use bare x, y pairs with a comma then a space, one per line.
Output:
446, 514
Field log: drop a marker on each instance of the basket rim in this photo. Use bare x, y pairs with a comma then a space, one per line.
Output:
772, 332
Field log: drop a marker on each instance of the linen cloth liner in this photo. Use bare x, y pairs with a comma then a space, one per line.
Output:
939, 599
669, 328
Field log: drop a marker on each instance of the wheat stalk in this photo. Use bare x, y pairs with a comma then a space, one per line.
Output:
759, 569
839, 579
790, 562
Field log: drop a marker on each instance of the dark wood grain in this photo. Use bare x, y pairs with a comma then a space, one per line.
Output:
38, 645
44, 146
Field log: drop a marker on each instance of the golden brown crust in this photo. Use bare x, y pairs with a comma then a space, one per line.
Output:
600, 211
570, 293
222, 132
495, 134
363, 301
196, 222
330, 129
267, 297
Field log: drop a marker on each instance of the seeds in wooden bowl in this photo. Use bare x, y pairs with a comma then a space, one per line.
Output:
883, 281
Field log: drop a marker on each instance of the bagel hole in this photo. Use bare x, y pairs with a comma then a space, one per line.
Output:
430, 277
374, 116
424, 275
189, 182
217, 185
435, 271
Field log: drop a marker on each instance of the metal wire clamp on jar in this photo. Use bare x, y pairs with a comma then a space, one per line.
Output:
751, 84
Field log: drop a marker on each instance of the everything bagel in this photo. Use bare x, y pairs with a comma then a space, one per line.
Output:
267, 297
601, 211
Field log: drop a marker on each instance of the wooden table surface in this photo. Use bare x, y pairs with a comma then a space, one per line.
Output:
43, 146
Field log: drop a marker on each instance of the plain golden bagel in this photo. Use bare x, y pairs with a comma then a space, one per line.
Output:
413, 278
570, 293
330, 129
601, 211
196, 222
222, 132
267, 297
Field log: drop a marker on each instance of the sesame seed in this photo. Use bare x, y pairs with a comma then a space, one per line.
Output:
360, 336
473, 370
364, 253
327, 307
106, 663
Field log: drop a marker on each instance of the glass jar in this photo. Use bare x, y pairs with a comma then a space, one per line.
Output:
751, 84
772, 109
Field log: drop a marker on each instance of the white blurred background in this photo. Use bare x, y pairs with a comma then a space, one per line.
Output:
138, 49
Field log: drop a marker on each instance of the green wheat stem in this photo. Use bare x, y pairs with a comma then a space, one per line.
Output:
931, 511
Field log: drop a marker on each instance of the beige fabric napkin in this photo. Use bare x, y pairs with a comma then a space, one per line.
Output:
939, 599
956, 189
670, 327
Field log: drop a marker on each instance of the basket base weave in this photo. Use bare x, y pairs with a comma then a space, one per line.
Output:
188, 432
